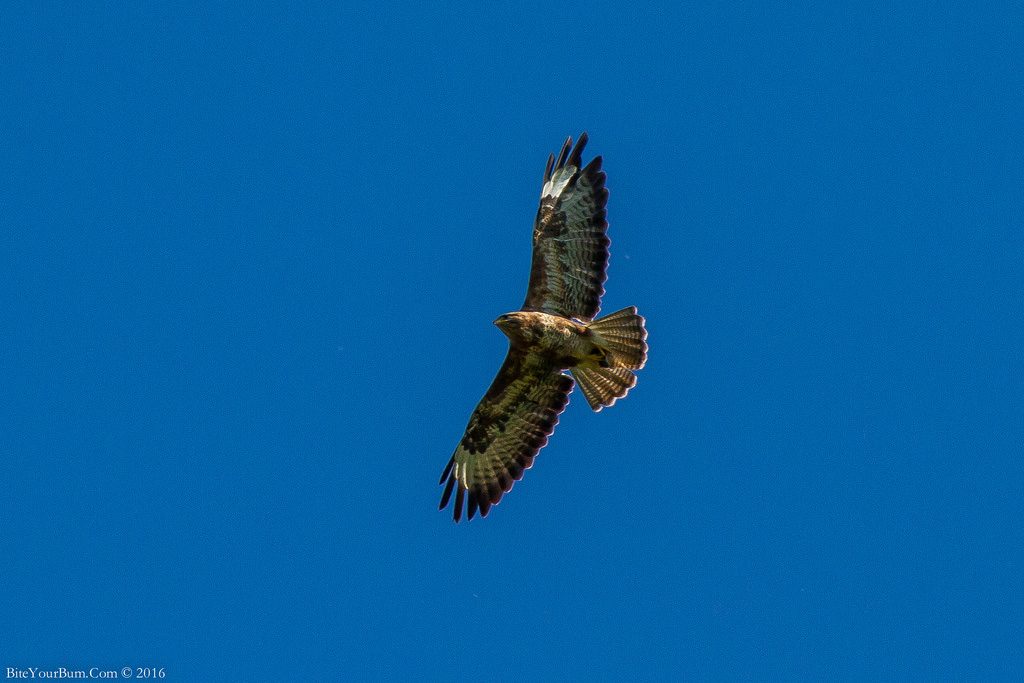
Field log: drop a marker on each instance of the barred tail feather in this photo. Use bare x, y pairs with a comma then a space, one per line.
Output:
602, 386
624, 336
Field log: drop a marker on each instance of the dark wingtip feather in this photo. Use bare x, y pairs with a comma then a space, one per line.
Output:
472, 507
446, 496
577, 153
547, 170
594, 166
515, 470
447, 470
564, 154
485, 506
494, 492
460, 494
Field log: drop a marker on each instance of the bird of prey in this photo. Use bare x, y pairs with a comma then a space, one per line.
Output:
554, 332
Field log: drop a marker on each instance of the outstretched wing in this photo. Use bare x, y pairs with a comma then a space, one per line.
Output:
570, 247
509, 426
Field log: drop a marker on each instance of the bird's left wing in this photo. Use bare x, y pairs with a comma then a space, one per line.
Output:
509, 426
570, 247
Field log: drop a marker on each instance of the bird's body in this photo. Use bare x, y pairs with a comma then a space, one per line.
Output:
555, 331
560, 341
563, 342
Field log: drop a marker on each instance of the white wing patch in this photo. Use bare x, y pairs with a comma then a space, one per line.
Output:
561, 178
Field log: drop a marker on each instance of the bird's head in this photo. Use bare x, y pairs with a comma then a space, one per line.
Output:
510, 323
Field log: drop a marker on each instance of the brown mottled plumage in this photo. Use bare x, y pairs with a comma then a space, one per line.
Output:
554, 331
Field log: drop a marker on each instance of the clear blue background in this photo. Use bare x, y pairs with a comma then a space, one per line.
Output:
250, 259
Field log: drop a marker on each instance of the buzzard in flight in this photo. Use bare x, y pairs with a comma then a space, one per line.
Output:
555, 331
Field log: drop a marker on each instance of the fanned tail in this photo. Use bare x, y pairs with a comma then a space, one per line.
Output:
603, 386
623, 335
622, 340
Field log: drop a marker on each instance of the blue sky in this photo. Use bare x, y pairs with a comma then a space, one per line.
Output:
251, 258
